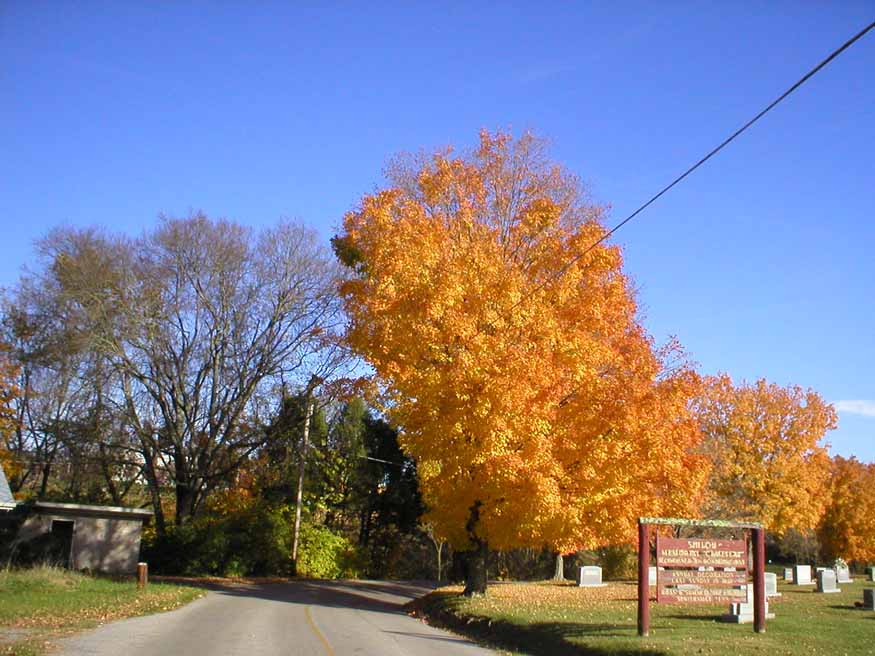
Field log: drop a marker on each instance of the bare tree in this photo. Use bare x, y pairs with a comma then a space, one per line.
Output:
197, 320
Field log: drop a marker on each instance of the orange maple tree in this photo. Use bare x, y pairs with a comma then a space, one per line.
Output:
8, 393
535, 404
847, 528
769, 462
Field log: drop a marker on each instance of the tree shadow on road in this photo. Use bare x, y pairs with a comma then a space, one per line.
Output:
380, 597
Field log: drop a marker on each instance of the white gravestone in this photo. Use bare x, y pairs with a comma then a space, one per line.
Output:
772, 585
869, 599
872, 574
651, 576
802, 575
590, 576
788, 573
826, 581
843, 575
742, 612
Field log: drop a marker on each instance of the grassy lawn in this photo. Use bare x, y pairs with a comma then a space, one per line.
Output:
42, 604
548, 619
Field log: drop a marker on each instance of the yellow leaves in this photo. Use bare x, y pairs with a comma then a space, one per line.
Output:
765, 443
541, 401
847, 528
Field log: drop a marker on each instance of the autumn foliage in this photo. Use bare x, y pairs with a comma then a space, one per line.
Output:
847, 529
8, 393
770, 463
536, 406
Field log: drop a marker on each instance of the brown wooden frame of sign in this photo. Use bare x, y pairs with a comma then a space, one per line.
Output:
757, 537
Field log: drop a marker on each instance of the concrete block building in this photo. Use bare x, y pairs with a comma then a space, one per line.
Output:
97, 538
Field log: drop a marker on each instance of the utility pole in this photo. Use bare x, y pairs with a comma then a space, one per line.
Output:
302, 462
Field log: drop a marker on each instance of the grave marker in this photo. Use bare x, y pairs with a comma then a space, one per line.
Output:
869, 599
788, 574
590, 576
742, 612
772, 585
843, 574
802, 575
826, 581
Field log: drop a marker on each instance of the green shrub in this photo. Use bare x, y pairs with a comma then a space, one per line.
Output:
325, 555
252, 541
618, 562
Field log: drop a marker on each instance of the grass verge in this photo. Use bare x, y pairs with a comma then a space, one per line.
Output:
546, 619
42, 604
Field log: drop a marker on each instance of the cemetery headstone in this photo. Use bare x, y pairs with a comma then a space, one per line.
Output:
651, 576
742, 612
872, 574
590, 576
802, 575
788, 573
826, 581
869, 598
772, 585
843, 574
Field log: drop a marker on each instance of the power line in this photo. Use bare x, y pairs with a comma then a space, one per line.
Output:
683, 175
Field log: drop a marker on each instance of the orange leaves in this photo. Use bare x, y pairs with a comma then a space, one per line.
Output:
847, 528
538, 395
8, 393
765, 443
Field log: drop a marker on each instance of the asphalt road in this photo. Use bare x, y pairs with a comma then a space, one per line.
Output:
306, 618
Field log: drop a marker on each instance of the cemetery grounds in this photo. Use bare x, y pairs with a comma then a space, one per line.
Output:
550, 619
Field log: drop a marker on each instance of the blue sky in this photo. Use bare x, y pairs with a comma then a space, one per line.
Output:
762, 263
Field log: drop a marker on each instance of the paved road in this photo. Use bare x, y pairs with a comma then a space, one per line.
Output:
317, 618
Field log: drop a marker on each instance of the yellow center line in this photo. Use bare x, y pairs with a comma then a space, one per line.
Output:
319, 634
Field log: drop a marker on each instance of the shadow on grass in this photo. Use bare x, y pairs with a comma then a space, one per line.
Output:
695, 618
537, 639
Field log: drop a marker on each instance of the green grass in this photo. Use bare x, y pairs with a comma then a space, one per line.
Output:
41, 604
543, 619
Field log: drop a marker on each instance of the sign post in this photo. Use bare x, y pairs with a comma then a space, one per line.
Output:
759, 580
643, 579
700, 570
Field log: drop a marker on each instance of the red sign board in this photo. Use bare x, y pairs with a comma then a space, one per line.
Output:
700, 595
700, 552
695, 577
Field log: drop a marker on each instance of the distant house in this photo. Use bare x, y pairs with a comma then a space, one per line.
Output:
7, 501
98, 538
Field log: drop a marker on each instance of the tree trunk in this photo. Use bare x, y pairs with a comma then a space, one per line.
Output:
299, 496
475, 558
154, 490
475, 569
184, 502
559, 571
44, 484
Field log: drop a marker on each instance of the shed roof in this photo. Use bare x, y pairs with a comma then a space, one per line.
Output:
82, 510
7, 501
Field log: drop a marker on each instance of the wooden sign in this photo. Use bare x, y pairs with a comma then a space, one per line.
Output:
700, 552
701, 595
692, 586
696, 577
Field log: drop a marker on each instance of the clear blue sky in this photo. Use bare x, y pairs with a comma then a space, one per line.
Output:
762, 263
